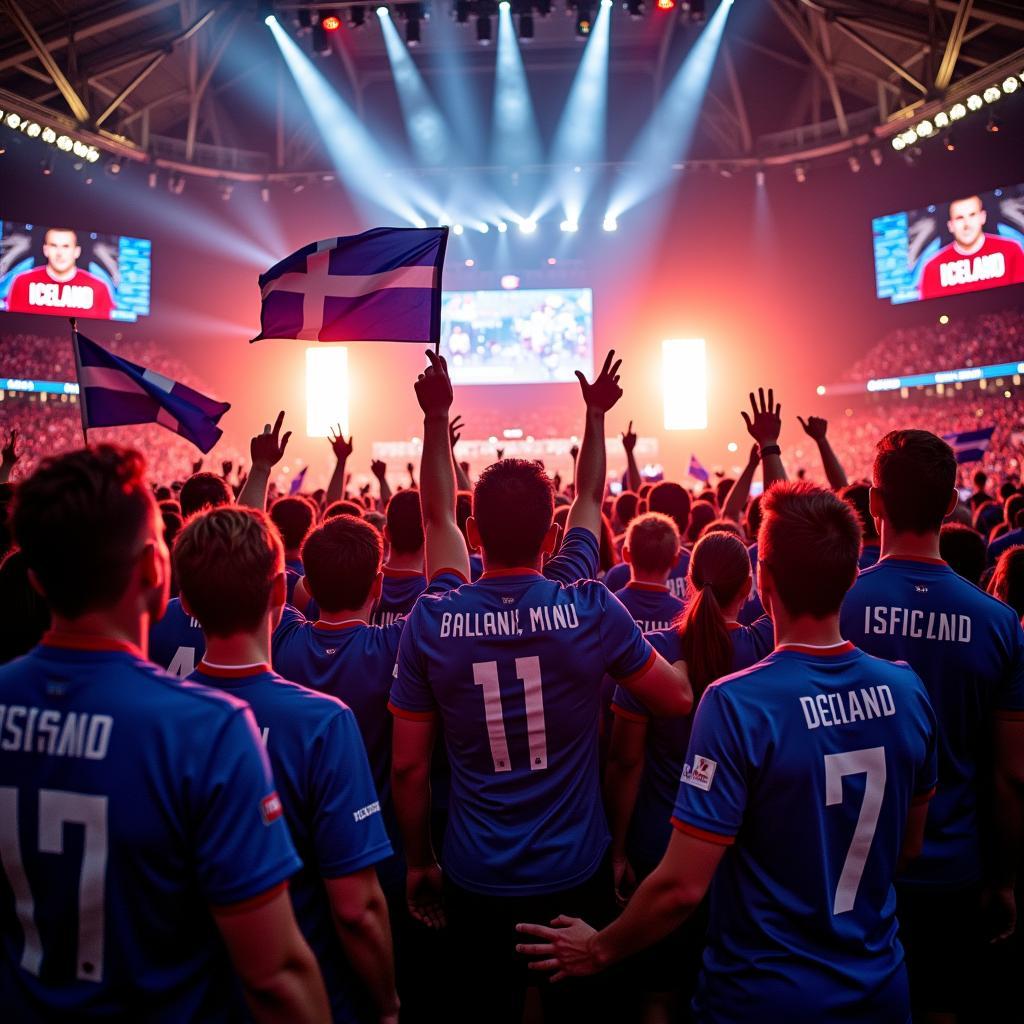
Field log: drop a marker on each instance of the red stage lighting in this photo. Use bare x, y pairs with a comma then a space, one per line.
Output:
331, 23
666, 5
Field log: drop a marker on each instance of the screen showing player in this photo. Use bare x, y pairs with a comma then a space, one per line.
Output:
971, 241
61, 271
533, 336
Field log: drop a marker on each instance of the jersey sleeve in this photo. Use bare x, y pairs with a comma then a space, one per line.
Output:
1010, 695
411, 695
240, 840
617, 577
625, 705
292, 620
713, 788
577, 558
443, 581
627, 654
348, 831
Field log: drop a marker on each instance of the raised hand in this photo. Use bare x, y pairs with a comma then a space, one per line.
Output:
267, 449
766, 424
226, 467
455, 431
574, 451
342, 448
434, 388
500, 452
815, 427
378, 468
605, 391
10, 453
629, 438
197, 466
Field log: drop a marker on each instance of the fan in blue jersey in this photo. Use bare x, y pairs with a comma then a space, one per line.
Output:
230, 565
403, 580
646, 754
806, 779
144, 852
969, 650
294, 517
673, 501
506, 669
651, 551
176, 642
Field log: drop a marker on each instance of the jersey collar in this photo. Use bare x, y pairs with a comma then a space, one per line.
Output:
817, 650
658, 588
88, 642
520, 571
232, 671
335, 626
922, 559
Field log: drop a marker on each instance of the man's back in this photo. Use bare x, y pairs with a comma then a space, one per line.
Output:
399, 590
651, 604
513, 665
618, 576
132, 802
806, 766
968, 649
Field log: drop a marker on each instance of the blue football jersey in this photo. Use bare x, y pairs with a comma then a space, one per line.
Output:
667, 739
1008, 540
329, 801
476, 567
176, 642
618, 576
805, 766
512, 665
130, 802
968, 648
399, 591
869, 553
652, 605
355, 663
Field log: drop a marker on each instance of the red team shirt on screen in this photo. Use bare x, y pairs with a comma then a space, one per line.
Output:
82, 295
949, 272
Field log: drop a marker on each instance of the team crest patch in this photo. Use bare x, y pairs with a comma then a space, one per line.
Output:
270, 808
700, 773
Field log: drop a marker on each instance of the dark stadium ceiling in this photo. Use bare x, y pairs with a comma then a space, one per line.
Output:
201, 88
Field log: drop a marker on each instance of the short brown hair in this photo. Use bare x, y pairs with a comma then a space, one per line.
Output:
293, 518
405, 522
915, 473
204, 490
653, 542
514, 506
226, 560
810, 543
341, 558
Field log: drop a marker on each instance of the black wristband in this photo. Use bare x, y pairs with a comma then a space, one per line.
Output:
769, 449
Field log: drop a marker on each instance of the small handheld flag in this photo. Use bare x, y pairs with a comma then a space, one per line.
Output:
696, 470
297, 481
114, 392
970, 445
382, 285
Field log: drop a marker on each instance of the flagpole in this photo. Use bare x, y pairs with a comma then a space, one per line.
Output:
78, 372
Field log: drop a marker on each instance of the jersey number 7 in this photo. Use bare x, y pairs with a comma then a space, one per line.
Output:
485, 675
870, 762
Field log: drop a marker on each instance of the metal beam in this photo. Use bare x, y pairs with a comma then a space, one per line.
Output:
53, 69
981, 13
830, 78
956, 37
866, 45
737, 99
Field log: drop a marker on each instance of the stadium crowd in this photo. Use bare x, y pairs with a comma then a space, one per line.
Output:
500, 750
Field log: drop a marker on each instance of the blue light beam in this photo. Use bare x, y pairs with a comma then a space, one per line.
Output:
428, 131
668, 133
361, 162
516, 140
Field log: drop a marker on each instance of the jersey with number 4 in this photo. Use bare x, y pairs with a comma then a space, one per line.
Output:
130, 802
512, 665
805, 766
176, 642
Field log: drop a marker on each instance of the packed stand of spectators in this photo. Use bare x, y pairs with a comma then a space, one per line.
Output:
436, 748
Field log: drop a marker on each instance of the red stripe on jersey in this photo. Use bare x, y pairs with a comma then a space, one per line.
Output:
640, 673
658, 588
915, 558
88, 642
344, 624
448, 572
411, 716
699, 833
630, 716
231, 671
521, 571
922, 798
1007, 715
253, 903
822, 652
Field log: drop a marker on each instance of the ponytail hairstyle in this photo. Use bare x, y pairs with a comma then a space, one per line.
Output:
719, 568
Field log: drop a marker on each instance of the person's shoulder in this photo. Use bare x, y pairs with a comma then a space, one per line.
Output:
991, 607
302, 701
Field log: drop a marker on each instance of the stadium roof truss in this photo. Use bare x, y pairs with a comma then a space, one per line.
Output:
148, 80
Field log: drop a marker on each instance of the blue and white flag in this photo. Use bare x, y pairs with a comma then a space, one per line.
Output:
297, 481
970, 445
382, 285
114, 393
696, 470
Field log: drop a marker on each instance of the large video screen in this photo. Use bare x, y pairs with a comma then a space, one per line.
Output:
529, 336
61, 271
967, 243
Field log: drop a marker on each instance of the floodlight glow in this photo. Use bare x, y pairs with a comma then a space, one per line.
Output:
502, 227
924, 129
516, 140
610, 223
957, 111
270, 20
942, 119
527, 227
569, 226
684, 383
974, 102
666, 137
992, 93
458, 229
606, 3
898, 143
483, 227
504, 6
326, 390
382, 12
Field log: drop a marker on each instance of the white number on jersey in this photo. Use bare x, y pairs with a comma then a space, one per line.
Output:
485, 675
869, 762
58, 807
183, 663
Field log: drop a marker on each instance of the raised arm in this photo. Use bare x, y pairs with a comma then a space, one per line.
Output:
591, 466
736, 499
342, 450
461, 476
816, 428
633, 480
444, 545
379, 470
764, 428
266, 450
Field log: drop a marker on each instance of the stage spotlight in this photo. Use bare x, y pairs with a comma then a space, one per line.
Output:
635, 9
225, 192
924, 129
898, 143
470, 263
570, 227
47, 167
265, 194
957, 111
113, 166
510, 282
759, 178
1010, 84
502, 227
527, 227
483, 30
330, 21
458, 229
820, 389
484, 227
974, 102
383, 12
666, 5
525, 28
152, 179
610, 224
800, 174
606, 3
854, 163
504, 6
269, 20
552, 261
994, 124
992, 93
584, 21
461, 11
941, 119
950, 143
357, 16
